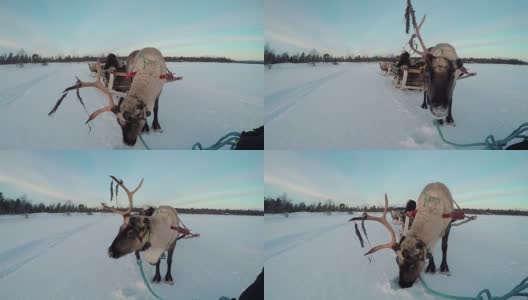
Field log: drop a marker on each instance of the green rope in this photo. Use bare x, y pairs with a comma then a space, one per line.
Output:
145, 280
490, 142
143, 141
231, 139
484, 294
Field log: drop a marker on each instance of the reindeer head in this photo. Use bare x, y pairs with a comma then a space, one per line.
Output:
133, 233
439, 80
410, 252
131, 112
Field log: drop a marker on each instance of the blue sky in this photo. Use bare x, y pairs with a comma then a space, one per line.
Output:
478, 28
232, 28
477, 179
215, 179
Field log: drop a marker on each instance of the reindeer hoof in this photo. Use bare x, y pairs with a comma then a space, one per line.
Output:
156, 279
444, 269
432, 271
424, 106
168, 279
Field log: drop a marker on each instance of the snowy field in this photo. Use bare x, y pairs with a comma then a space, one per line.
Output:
352, 106
314, 256
53, 256
211, 100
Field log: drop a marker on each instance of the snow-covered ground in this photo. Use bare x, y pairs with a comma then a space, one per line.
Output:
352, 106
52, 256
314, 256
211, 100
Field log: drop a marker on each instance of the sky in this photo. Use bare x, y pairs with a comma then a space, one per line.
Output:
231, 28
184, 179
476, 179
476, 28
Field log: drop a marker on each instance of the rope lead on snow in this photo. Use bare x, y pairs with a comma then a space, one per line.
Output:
490, 143
484, 294
140, 264
230, 139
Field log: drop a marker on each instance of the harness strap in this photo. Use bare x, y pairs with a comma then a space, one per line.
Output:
456, 215
181, 230
411, 213
168, 76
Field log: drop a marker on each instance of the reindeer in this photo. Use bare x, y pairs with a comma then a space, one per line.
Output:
148, 73
442, 69
431, 222
152, 235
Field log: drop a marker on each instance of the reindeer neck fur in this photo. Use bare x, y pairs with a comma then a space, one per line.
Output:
161, 236
428, 225
148, 65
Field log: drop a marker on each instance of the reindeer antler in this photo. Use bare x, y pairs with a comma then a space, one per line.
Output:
130, 197
417, 28
97, 84
382, 220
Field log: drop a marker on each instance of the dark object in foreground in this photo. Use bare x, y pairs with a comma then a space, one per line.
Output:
256, 290
251, 140
519, 146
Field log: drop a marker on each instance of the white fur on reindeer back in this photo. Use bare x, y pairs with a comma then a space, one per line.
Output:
161, 234
434, 201
149, 65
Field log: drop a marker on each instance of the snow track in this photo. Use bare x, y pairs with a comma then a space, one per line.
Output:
202, 107
21, 255
314, 256
52, 256
351, 106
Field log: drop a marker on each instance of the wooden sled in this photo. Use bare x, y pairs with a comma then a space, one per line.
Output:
408, 79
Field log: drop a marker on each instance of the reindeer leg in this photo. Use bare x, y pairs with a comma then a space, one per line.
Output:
155, 124
431, 268
449, 118
424, 104
145, 128
168, 276
444, 268
157, 276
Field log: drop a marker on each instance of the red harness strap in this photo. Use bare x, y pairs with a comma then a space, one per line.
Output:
411, 213
181, 230
456, 215
167, 76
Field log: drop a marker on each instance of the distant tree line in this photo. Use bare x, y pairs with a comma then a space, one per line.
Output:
21, 57
282, 204
313, 57
22, 205
211, 211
